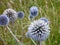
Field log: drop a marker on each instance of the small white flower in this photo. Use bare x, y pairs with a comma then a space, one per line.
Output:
12, 14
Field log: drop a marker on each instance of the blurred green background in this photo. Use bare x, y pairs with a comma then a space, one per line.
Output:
47, 8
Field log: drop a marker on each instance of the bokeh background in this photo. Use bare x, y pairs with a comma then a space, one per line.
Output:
47, 8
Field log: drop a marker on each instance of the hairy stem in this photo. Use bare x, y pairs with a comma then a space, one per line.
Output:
14, 36
40, 43
33, 42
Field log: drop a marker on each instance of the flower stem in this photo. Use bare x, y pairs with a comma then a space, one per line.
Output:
33, 42
14, 36
40, 43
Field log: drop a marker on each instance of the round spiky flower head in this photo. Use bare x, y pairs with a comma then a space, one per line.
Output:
38, 30
44, 19
34, 11
12, 14
30, 17
4, 20
20, 14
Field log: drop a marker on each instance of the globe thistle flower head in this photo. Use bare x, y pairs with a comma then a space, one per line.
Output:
30, 17
34, 11
4, 20
20, 14
44, 19
38, 30
12, 14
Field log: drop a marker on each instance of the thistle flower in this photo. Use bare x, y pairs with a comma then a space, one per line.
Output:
4, 20
30, 17
38, 30
11, 14
20, 14
34, 11
45, 19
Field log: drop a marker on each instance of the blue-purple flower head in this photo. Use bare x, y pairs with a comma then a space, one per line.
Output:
31, 17
34, 11
4, 20
12, 14
44, 19
20, 14
38, 30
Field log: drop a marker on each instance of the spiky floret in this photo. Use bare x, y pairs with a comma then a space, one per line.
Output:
38, 30
30, 17
34, 11
44, 19
12, 14
20, 14
4, 20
